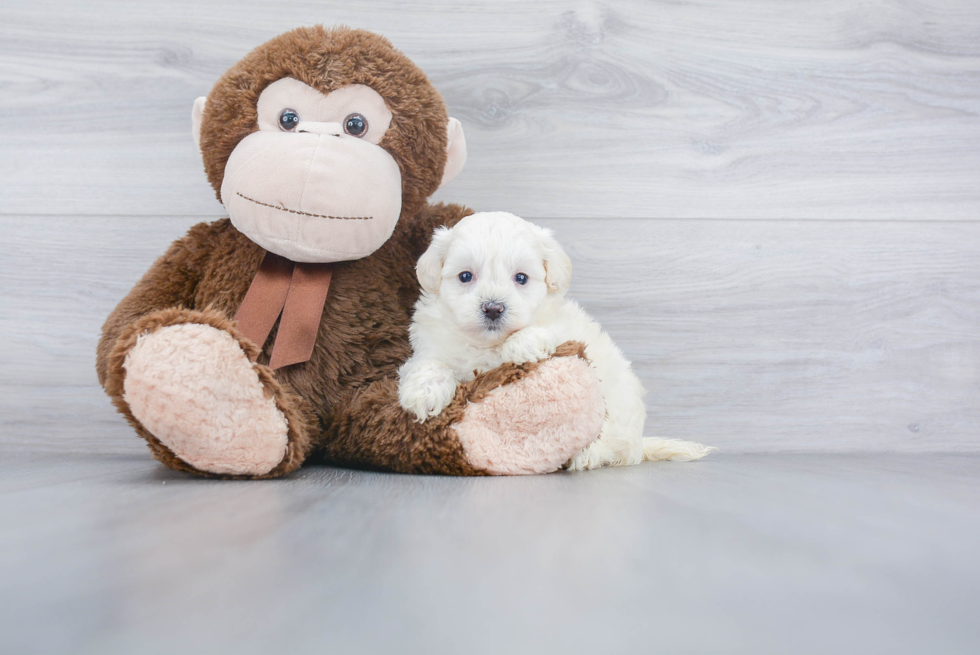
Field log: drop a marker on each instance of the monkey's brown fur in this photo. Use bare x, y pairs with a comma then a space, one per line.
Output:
342, 404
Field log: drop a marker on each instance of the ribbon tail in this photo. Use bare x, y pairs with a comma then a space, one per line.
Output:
264, 299
301, 314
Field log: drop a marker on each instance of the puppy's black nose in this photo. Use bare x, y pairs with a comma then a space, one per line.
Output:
493, 310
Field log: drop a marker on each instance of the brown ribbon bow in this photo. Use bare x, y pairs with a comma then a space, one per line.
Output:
296, 290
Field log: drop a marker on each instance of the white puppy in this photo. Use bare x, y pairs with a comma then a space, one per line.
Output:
493, 291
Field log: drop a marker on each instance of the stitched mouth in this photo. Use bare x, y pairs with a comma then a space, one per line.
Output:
296, 211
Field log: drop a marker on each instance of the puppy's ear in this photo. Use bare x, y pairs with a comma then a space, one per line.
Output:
429, 268
557, 265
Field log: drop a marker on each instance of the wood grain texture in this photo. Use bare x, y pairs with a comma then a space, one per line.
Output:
755, 554
749, 335
762, 109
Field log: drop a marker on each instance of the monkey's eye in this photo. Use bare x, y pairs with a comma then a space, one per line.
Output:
520, 278
465, 277
288, 120
356, 125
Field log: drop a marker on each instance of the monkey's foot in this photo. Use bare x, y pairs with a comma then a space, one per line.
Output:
536, 424
193, 387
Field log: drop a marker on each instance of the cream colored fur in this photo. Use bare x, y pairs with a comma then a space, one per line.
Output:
453, 338
192, 386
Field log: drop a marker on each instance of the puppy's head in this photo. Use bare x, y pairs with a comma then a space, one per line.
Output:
493, 272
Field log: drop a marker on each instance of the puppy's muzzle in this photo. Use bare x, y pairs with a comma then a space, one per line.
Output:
493, 310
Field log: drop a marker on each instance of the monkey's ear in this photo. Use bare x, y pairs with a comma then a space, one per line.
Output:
197, 114
429, 268
455, 151
557, 264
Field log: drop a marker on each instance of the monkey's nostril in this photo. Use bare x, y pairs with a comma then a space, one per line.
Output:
493, 310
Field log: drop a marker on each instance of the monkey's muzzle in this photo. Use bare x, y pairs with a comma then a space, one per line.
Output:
312, 197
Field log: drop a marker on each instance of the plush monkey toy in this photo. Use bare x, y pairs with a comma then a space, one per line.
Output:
260, 340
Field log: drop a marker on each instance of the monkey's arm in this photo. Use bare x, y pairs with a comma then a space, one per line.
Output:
170, 282
417, 233
515, 419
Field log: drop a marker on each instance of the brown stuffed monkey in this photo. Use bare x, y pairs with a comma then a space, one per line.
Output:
275, 335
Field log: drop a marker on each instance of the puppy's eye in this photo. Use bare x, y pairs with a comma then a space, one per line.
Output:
356, 125
288, 120
465, 277
520, 278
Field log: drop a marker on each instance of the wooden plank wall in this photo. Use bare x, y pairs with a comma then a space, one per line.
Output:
773, 207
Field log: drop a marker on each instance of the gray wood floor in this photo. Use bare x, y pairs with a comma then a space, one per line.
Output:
735, 554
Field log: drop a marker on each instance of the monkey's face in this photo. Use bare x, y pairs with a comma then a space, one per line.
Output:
312, 184
319, 140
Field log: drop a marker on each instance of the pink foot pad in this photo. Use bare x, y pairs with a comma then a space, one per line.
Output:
193, 387
536, 424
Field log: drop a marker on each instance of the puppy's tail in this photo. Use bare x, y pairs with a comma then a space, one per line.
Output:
684, 451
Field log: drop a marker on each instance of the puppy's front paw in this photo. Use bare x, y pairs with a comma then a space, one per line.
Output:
531, 344
425, 389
